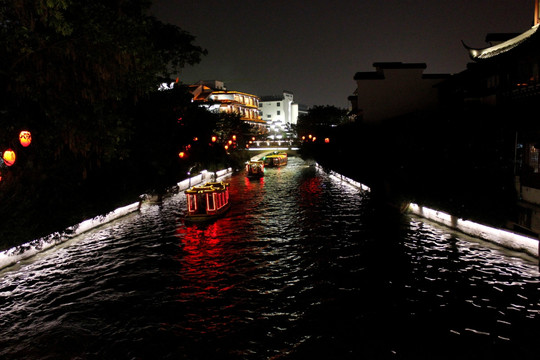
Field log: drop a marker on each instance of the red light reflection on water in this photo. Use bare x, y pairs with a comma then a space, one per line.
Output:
203, 258
310, 191
252, 184
209, 251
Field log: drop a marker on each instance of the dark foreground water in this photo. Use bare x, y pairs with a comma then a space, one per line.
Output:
302, 266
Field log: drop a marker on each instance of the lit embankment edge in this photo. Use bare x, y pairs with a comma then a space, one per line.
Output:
501, 237
21, 252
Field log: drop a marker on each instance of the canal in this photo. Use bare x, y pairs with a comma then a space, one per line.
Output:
302, 266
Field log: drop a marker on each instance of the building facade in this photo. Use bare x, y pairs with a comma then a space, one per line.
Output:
215, 97
393, 89
280, 113
504, 79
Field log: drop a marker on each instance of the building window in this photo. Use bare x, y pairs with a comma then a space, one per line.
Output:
533, 159
278, 104
260, 104
268, 116
278, 112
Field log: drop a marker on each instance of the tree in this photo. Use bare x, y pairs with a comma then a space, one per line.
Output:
76, 67
72, 72
320, 119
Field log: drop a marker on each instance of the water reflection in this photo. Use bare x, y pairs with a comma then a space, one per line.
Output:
300, 267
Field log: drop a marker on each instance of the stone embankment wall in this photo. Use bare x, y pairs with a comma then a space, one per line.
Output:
14, 255
501, 237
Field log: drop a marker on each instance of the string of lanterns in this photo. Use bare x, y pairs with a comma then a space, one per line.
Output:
8, 156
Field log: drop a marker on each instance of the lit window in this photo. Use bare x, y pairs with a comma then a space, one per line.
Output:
533, 159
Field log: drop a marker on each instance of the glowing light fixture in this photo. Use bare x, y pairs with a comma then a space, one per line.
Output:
25, 137
327, 140
181, 154
214, 138
9, 157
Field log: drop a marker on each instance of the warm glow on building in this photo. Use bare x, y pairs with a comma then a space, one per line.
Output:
536, 12
219, 99
246, 105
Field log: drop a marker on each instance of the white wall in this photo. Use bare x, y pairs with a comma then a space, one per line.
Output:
286, 108
402, 91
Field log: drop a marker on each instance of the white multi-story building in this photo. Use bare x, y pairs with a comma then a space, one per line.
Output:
279, 112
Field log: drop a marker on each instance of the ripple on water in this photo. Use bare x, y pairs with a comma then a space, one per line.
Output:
301, 266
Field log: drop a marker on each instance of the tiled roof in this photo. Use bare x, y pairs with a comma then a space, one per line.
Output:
489, 52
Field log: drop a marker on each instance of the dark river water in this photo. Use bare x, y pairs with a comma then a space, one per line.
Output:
302, 267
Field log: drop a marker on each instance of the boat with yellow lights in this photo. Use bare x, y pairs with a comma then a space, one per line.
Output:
208, 201
275, 159
255, 168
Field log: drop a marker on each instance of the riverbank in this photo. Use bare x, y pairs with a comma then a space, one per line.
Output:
502, 237
24, 251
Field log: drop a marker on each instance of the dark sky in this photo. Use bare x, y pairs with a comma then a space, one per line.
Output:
314, 48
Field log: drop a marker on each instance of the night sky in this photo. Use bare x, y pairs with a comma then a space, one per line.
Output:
314, 48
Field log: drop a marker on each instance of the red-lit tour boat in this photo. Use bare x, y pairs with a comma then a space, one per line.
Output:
208, 201
275, 159
255, 168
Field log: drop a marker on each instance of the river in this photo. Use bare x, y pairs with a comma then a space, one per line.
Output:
302, 266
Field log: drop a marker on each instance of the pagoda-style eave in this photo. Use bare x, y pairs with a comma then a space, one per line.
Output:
479, 54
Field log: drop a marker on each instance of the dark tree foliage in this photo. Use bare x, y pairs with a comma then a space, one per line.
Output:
73, 73
320, 119
79, 64
458, 161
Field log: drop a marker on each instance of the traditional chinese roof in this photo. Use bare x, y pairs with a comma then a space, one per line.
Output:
501, 48
378, 74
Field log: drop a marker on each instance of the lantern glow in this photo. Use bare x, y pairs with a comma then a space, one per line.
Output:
9, 157
25, 137
181, 154
214, 138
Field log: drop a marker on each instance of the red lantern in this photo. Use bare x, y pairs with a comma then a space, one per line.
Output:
181, 154
214, 138
25, 137
9, 157
327, 140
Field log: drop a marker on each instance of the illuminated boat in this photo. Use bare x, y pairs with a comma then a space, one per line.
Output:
275, 159
208, 201
255, 168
